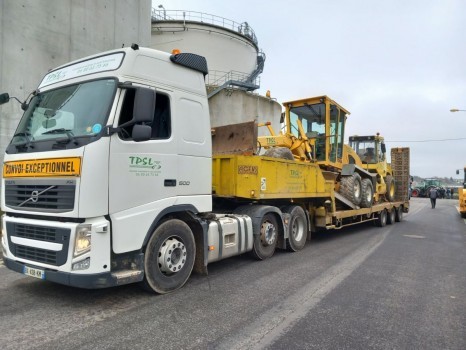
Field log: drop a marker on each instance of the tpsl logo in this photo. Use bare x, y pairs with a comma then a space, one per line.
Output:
144, 162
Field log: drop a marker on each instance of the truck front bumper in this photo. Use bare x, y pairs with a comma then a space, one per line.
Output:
90, 281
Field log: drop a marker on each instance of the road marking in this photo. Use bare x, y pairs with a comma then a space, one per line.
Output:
414, 236
271, 325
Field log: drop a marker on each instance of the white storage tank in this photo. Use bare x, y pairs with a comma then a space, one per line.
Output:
233, 58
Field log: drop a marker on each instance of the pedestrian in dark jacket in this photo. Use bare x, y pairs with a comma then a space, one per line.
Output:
433, 196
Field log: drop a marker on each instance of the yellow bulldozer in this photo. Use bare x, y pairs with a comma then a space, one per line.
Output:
314, 132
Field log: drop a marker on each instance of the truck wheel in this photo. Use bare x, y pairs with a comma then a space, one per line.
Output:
297, 228
399, 214
169, 257
367, 193
350, 188
390, 183
266, 241
391, 216
381, 219
415, 193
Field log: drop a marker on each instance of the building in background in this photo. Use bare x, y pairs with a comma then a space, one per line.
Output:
234, 60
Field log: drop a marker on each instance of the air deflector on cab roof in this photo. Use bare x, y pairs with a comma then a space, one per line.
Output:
191, 60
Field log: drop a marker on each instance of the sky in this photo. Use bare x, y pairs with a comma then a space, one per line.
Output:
398, 66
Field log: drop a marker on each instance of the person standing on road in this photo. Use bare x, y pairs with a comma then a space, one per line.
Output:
433, 197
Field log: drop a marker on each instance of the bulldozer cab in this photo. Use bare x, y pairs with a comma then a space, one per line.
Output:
370, 149
319, 121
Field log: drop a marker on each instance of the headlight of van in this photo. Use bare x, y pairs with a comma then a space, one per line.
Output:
82, 243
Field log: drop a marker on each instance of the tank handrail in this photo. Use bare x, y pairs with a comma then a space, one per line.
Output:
243, 28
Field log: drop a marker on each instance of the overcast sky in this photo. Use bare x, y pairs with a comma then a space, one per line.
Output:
398, 66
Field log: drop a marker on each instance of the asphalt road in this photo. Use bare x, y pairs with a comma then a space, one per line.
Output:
398, 287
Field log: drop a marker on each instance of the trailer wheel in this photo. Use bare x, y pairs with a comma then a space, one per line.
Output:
391, 216
414, 192
367, 195
390, 182
350, 188
169, 257
399, 214
381, 219
297, 228
266, 241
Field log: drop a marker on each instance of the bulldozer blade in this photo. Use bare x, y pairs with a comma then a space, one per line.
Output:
235, 139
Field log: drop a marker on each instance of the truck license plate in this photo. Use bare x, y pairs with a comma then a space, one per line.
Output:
29, 271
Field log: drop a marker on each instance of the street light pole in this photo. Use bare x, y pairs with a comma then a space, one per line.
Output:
164, 12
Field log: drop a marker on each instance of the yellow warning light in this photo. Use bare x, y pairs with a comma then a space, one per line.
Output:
267, 94
211, 247
175, 52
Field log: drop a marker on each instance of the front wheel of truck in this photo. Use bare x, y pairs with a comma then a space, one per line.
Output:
169, 257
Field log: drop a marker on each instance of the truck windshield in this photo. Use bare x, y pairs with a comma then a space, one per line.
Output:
70, 112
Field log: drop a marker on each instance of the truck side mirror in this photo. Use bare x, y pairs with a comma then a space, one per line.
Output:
141, 133
4, 98
457, 172
144, 106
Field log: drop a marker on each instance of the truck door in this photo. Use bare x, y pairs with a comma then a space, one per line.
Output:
142, 173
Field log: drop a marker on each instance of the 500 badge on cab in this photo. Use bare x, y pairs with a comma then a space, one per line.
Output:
184, 183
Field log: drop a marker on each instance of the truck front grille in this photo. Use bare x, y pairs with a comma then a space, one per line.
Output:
39, 233
40, 195
36, 254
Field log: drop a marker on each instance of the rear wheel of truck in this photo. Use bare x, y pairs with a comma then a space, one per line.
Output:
297, 228
350, 188
367, 195
266, 241
399, 214
390, 183
381, 220
169, 257
391, 216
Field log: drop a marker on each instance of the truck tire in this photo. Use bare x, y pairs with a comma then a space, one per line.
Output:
381, 220
350, 188
399, 214
169, 257
367, 193
297, 228
390, 183
391, 216
414, 192
266, 241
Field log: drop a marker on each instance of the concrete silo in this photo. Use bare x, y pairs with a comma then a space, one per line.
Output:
234, 60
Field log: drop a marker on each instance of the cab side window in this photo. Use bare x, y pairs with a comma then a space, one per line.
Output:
161, 124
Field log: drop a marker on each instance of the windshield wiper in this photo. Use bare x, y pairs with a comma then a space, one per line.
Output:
68, 133
27, 135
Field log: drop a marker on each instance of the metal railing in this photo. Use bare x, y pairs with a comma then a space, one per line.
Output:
179, 15
218, 78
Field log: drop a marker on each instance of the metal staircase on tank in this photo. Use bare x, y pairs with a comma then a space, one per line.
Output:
238, 80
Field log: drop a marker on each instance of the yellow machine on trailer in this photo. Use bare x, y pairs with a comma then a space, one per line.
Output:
462, 197
307, 166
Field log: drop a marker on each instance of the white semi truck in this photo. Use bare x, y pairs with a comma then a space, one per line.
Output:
109, 180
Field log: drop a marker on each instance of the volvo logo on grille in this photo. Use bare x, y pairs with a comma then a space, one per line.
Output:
34, 196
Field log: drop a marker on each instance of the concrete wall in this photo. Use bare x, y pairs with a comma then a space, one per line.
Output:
237, 106
38, 35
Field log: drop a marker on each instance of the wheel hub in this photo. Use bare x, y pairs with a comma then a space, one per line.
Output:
172, 256
268, 233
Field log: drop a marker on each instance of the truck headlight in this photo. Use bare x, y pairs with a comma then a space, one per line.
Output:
82, 243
